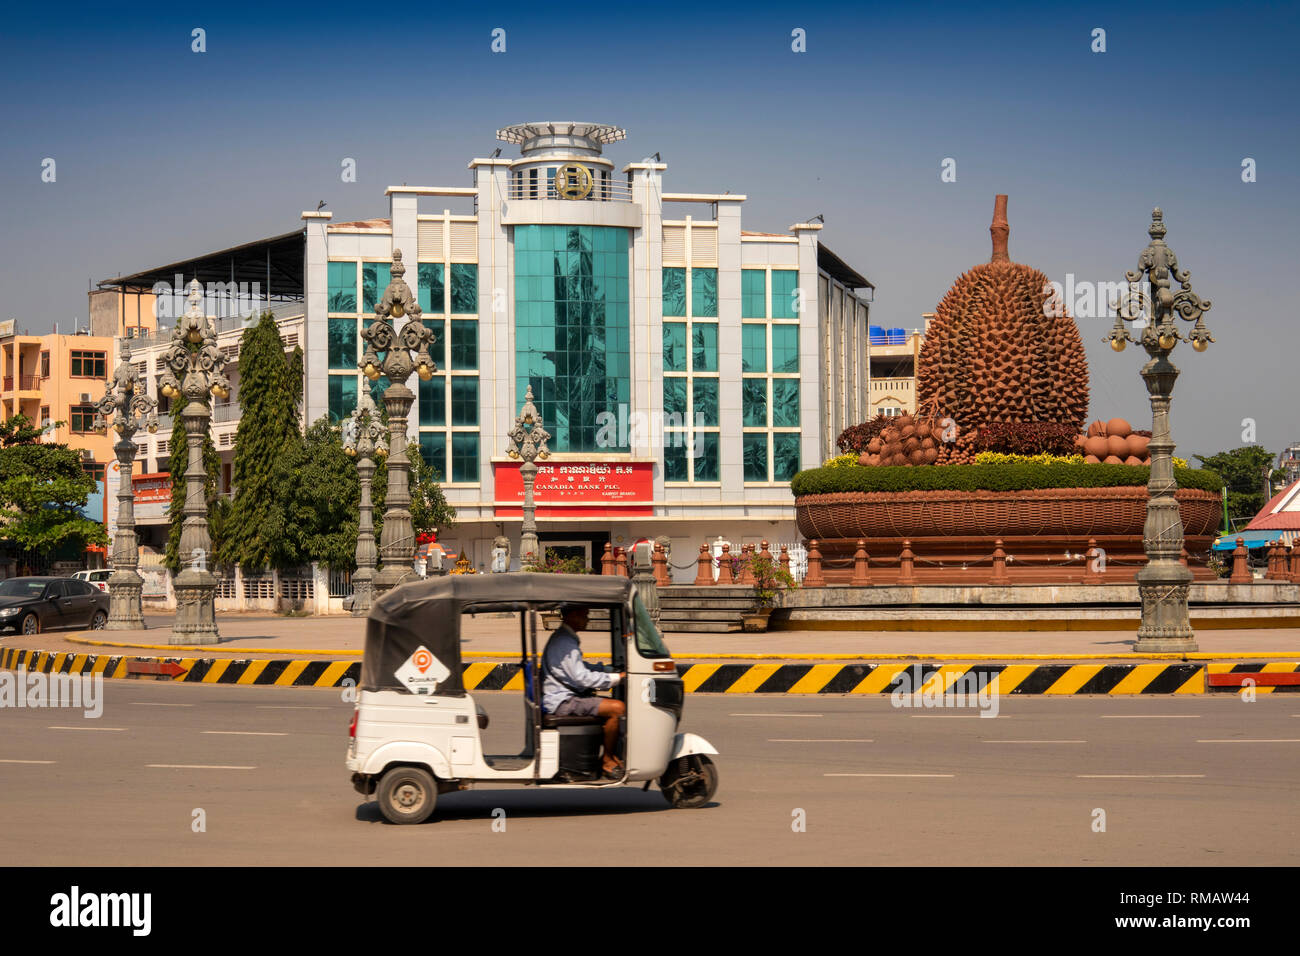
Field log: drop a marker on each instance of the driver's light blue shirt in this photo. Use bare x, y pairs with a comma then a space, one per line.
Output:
563, 659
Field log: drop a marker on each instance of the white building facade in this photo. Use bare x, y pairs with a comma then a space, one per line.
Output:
686, 368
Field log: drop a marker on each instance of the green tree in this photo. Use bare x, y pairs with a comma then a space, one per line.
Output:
297, 371
322, 495
430, 510
319, 485
257, 528
1242, 470
42, 491
218, 507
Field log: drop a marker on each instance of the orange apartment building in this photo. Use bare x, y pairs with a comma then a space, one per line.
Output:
59, 378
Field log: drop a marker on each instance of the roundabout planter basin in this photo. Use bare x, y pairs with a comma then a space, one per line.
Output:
1042, 512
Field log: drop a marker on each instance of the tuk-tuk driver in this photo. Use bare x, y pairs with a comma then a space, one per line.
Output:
570, 683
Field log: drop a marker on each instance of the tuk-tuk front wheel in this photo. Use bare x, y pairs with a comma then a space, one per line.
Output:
689, 781
407, 795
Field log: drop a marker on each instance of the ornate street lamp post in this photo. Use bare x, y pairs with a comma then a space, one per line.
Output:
363, 436
124, 408
396, 354
1164, 582
528, 442
195, 370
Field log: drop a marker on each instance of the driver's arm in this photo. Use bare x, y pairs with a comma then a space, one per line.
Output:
579, 674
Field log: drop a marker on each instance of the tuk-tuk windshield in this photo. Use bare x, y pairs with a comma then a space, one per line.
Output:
649, 643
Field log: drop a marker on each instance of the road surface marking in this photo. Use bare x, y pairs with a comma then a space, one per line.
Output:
1282, 740
776, 715
1136, 776
150, 703
818, 740
247, 733
951, 716
59, 727
1147, 716
27, 761
1033, 741
287, 707
889, 775
197, 766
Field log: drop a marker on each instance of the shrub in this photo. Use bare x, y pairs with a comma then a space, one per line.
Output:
841, 461
770, 576
998, 458
554, 564
1042, 458
854, 438
1026, 438
1013, 477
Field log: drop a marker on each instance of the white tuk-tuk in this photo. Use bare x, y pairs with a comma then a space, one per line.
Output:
416, 732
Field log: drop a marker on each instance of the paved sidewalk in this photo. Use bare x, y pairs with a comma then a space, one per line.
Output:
249, 636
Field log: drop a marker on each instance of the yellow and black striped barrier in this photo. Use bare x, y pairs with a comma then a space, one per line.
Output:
1180, 677
197, 670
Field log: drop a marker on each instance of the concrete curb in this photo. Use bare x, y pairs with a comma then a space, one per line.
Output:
212, 647
747, 678
504, 656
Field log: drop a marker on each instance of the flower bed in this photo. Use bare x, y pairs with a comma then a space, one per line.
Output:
992, 477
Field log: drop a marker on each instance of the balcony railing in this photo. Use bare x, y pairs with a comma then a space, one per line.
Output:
895, 385
226, 323
879, 336
608, 191
26, 383
228, 412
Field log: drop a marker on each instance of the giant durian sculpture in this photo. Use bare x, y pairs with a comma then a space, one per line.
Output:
1002, 348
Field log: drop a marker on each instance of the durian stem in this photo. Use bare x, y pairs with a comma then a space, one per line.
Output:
1000, 230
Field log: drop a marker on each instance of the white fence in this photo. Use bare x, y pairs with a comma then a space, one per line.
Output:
314, 589
797, 553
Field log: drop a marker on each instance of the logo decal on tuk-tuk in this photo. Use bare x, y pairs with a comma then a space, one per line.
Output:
422, 672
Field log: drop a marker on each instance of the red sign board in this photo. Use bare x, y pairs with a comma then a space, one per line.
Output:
576, 489
150, 489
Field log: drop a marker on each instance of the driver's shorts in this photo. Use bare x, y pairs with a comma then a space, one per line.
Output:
578, 707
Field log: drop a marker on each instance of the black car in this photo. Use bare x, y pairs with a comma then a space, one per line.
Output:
32, 605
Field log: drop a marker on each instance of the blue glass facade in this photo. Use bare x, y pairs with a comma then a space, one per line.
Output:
571, 328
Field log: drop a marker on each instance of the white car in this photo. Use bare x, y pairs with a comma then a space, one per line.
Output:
98, 579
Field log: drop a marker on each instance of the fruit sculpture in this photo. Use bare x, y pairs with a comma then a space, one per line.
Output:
905, 441
1114, 443
1002, 370
1001, 349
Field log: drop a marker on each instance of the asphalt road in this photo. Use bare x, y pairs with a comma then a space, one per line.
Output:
1189, 780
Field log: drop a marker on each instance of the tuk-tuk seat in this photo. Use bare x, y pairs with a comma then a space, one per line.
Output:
569, 720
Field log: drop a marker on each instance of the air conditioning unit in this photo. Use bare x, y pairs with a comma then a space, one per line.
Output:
87, 455
85, 396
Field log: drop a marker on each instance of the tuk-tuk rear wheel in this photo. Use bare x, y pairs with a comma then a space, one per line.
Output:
407, 795
689, 782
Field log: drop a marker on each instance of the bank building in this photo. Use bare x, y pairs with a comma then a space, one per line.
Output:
686, 367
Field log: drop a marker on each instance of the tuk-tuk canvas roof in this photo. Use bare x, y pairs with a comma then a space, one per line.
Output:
428, 613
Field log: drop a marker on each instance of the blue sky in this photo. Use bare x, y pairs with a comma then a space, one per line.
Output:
164, 153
